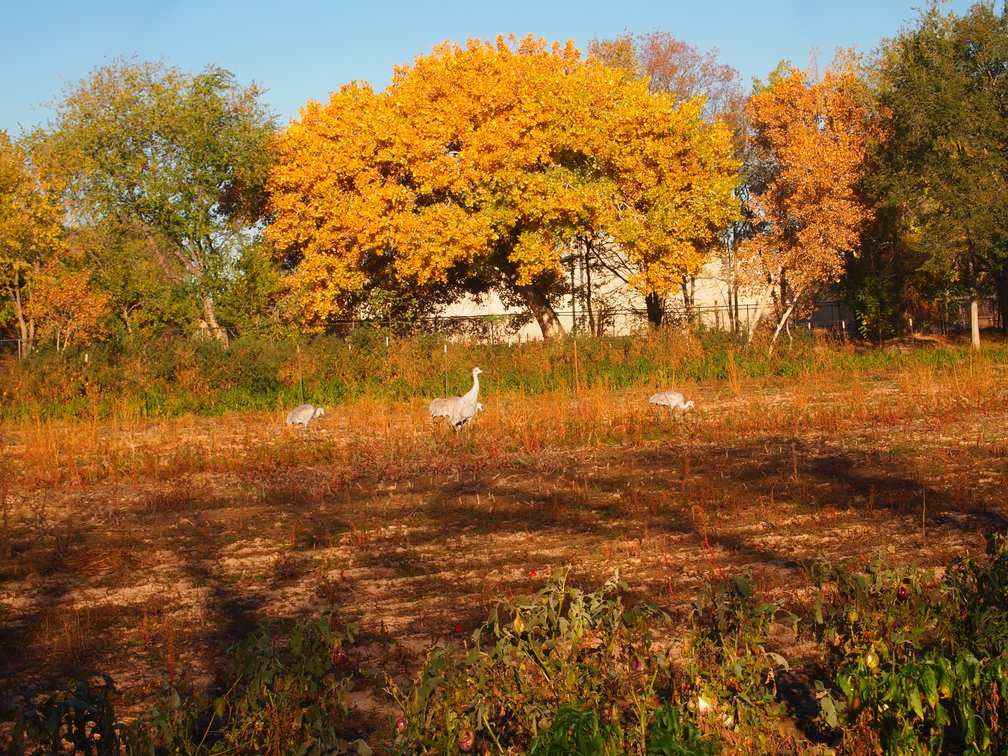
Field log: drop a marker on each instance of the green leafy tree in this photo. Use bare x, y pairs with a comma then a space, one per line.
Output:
147, 286
182, 156
251, 300
942, 173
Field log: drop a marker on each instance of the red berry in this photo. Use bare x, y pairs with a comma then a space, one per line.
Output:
458, 628
400, 724
339, 656
467, 739
533, 573
902, 593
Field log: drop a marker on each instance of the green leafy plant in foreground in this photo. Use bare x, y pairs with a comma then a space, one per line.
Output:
288, 697
920, 661
77, 719
586, 732
730, 664
915, 662
564, 670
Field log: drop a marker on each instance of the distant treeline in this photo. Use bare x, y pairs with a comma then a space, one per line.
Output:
160, 199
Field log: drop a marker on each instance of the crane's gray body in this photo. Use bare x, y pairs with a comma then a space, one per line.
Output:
671, 399
459, 409
304, 414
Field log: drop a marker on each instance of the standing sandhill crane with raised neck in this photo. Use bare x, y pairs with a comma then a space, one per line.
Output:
673, 400
459, 409
304, 414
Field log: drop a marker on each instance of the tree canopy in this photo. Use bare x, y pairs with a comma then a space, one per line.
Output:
813, 137
159, 199
684, 73
942, 175
30, 232
478, 166
180, 158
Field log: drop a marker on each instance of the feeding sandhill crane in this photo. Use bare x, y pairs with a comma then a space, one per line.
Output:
673, 400
459, 409
304, 414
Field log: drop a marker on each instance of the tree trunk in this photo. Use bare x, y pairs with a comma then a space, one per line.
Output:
783, 321
736, 325
542, 310
532, 295
211, 320
19, 312
26, 326
588, 288
655, 309
761, 305
974, 322
688, 284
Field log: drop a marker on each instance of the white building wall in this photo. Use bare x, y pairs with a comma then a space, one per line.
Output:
622, 309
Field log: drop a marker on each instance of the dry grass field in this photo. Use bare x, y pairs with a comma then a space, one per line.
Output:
142, 549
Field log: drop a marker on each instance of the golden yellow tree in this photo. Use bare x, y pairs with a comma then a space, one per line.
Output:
478, 165
30, 232
688, 76
813, 138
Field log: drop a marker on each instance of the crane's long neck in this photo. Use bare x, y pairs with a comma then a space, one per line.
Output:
474, 391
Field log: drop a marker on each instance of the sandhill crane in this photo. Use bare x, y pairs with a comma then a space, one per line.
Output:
673, 400
304, 414
459, 409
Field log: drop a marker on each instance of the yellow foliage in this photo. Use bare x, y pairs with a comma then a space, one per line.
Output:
29, 217
494, 155
30, 230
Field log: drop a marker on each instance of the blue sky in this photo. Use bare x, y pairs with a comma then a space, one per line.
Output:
300, 51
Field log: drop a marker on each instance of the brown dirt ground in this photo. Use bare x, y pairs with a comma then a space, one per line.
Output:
148, 577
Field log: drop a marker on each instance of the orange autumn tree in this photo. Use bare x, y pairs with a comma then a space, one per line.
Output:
476, 169
812, 138
30, 233
66, 306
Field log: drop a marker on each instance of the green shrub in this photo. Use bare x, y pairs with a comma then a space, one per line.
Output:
921, 661
563, 669
731, 666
